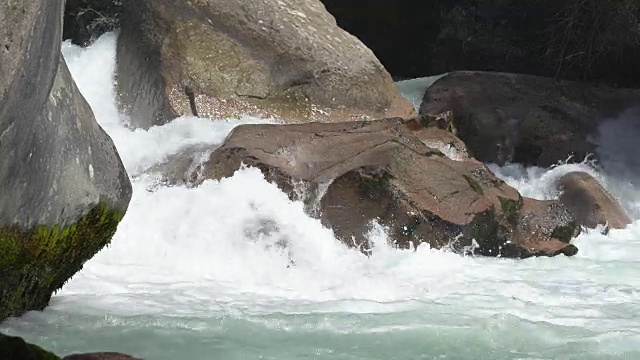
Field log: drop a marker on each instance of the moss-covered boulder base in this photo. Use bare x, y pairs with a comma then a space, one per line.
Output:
526, 119
36, 262
355, 172
63, 188
287, 59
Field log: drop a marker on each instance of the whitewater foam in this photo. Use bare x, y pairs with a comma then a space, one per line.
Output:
234, 239
198, 268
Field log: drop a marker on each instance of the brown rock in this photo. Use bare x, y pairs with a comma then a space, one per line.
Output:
590, 203
286, 59
358, 172
522, 118
439, 132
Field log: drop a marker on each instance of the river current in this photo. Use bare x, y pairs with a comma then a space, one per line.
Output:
188, 276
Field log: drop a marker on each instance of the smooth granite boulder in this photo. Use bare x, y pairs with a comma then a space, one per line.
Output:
63, 188
286, 59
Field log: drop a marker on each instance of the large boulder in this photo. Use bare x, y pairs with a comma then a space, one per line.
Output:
525, 119
63, 188
86, 20
359, 172
590, 202
286, 59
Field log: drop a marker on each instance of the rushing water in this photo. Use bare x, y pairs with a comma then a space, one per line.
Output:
190, 276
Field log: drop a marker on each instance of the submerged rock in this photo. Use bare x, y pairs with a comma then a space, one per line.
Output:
525, 119
590, 202
286, 59
359, 172
100, 356
15, 348
63, 188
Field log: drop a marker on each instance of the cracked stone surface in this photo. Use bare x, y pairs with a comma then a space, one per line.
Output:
382, 170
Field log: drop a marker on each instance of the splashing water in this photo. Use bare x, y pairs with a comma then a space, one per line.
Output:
202, 273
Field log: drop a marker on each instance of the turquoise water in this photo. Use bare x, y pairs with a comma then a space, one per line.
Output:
192, 273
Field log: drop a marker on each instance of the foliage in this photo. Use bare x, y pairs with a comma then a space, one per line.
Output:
591, 38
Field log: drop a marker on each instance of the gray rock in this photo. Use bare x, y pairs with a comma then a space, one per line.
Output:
285, 59
525, 119
63, 188
60, 163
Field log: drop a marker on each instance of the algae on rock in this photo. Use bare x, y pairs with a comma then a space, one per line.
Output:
35, 263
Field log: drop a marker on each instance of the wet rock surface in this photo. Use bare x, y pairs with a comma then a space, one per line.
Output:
525, 119
359, 172
284, 59
590, 202
63, 186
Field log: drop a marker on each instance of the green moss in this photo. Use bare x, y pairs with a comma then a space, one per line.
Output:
37, 262
474, 184
490, 233
483, 226
375, 186
510, 209
564, 233
15, 348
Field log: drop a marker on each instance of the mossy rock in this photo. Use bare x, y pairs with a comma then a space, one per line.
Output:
374, 183
510, 209
37, 262
565, 233
15, 348
474, 185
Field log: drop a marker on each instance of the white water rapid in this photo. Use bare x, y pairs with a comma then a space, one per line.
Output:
189, 276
